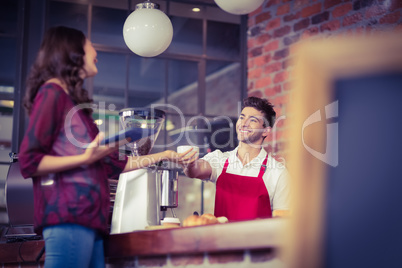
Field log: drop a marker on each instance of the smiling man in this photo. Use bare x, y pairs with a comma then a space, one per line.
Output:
250, 183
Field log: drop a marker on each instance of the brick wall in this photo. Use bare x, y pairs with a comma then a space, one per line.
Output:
263, 258
258, 258
279, 24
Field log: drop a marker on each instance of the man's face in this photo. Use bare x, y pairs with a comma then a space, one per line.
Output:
250, 126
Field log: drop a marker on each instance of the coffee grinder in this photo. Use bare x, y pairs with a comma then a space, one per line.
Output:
142, 194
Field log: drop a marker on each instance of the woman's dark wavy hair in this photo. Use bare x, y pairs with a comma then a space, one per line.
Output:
264, 106
61, 55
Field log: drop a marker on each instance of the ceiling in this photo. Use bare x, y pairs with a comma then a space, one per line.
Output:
200, 1
123, 4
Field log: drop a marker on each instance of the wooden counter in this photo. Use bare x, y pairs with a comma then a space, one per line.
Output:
236, 236
255, 234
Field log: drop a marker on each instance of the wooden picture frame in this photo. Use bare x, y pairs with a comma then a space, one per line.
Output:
319, 65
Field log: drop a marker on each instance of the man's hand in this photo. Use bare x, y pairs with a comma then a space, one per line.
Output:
280, 213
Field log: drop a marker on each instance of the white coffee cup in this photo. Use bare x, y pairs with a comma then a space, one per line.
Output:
184, 148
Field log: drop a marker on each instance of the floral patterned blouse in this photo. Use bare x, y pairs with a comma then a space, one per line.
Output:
81, 195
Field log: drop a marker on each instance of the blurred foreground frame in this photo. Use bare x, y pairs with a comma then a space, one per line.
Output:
345, 142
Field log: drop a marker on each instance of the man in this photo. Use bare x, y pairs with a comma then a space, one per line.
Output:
249, 182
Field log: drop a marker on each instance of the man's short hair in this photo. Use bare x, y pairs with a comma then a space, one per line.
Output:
264, 106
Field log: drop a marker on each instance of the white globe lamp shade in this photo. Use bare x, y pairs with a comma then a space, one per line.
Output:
239, 7
147, 31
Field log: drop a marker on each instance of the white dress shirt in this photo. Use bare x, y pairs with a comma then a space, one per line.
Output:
276, 177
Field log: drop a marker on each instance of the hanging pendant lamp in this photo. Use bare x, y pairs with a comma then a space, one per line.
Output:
239, 7
147, 31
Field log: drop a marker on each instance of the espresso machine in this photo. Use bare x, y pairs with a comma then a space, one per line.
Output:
143, 194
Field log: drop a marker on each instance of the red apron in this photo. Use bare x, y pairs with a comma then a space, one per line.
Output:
242, 197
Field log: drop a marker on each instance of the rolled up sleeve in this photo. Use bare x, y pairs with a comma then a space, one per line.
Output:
45, 122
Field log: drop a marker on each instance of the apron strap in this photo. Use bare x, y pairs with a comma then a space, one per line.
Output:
225, 166
263, 167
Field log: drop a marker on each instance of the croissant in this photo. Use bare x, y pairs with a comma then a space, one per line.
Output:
204, 219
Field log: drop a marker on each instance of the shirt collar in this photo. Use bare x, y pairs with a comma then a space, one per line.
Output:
259, 159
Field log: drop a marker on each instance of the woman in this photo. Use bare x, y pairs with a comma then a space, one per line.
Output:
71, 189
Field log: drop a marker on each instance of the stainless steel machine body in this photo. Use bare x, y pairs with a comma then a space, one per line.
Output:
169, 195
136, 204
142, 194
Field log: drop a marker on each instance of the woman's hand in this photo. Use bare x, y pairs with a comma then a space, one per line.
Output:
184, 158
94, 151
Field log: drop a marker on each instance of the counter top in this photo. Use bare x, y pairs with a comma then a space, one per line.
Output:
256, 234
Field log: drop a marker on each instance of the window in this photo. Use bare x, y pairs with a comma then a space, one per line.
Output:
195, 80
187, 36
68, 14
110, 83
107, 26
146, 81
8, 67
